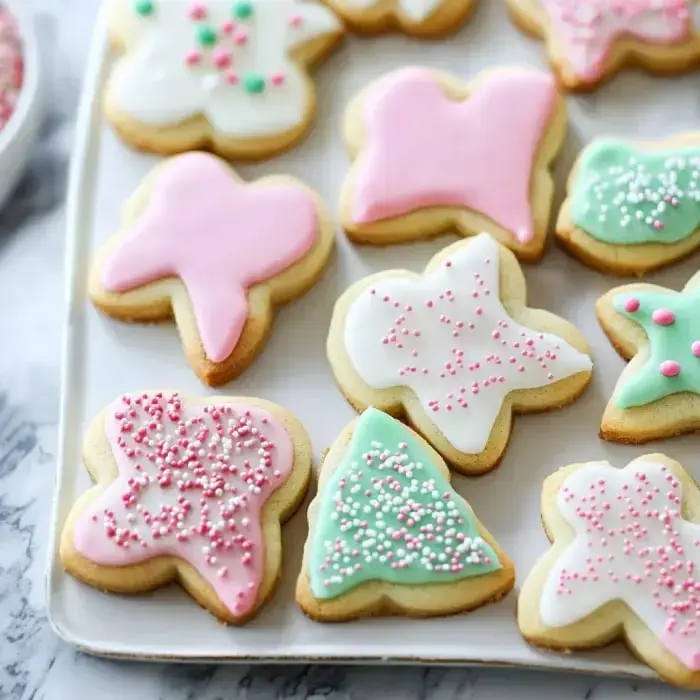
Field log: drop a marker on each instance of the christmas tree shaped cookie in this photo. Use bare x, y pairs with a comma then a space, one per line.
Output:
658, 330
389, 535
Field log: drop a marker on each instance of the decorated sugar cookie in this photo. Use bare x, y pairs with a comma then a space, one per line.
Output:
433, 154
199, 244
192, 490
389, 535
624, 563
589, 40
633, 207
229, 76
421, 18
658, 393
456, 351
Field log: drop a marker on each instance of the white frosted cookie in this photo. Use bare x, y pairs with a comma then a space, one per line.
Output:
624, 563
416, 547
456, 351
188, 490
587, 41
225, 75
633, 207
432, 154
419, 18
217, 254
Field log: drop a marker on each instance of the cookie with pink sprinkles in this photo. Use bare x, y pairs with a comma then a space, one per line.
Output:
191, 490
587, 41
456, 351
657, 330
624, 564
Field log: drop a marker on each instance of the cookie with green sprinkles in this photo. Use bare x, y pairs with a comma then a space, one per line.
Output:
633, 207
389, 535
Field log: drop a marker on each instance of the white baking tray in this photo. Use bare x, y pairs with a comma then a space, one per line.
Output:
104, 358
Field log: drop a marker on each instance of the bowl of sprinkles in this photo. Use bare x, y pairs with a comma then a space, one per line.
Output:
20, 112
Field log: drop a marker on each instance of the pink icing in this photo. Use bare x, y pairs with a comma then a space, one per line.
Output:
192, 482
219, 236
424, 149
678, 646
588, 28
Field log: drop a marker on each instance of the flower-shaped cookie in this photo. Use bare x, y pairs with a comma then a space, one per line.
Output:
633, 207
625, 562
215, 252
658, 393
588, 40
192, 490
219, 74
420, 18
432, 153
456, 351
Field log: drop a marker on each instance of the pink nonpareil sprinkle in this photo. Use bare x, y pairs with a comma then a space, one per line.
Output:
11, 66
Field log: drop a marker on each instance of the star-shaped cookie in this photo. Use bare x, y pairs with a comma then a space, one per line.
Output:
199, 244
455, 351
225, 75
432, 154
658, 393
589, 40
192, 490
419, 18
624, 563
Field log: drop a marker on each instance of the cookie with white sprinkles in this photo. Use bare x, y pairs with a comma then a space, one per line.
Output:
191, 490
633, 207
456, 351
389, 535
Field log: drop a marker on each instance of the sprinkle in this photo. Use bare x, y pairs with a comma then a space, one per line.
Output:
207, 35
144, 7
253, 83
670, 368
243, 10
663, 317
277, 79
197, 11
221, 57
631, 305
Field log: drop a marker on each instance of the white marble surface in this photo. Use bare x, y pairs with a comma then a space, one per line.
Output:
34, 664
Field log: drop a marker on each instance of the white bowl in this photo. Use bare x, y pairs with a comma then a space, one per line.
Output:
18, 138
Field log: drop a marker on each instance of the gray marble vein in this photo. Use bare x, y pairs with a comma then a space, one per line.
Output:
34, 663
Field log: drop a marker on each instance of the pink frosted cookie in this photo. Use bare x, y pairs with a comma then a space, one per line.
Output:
199, 244
589, 40
624, 563
455, 351
192, 490
11, 65
433, 154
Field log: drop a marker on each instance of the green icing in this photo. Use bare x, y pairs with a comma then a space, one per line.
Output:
207, 35
388, 503
624, 195
243, 10
671, 346
144, 7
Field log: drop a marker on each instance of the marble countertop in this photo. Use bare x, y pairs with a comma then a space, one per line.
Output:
34, 663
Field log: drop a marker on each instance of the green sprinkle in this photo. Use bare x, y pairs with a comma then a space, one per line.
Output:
144, 7
254, 83
207, 35
243, 10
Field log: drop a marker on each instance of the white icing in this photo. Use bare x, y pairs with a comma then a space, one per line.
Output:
370, 320
416, 10
153, 83
619, 503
